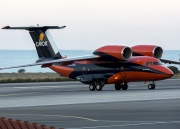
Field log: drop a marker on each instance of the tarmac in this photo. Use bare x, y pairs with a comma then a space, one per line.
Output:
71, 105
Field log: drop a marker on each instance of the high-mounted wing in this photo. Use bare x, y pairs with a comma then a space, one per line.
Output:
78, 58
169, 61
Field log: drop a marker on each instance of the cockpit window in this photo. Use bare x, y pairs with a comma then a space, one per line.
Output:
153, 63
157, 63
147, 63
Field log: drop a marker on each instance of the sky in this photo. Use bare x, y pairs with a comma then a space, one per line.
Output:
93, 23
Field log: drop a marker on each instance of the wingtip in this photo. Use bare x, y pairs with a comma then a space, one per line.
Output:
62, 27
6, 27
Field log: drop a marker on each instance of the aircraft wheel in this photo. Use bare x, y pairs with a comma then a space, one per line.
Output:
117, 86
98, 87
151, 86
92, 87
125, 86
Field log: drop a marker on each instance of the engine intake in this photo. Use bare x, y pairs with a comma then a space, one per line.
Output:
147, 50
114, 52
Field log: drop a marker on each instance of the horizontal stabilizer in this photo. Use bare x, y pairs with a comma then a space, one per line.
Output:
34, 27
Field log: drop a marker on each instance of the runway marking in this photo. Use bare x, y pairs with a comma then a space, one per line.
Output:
17, 94
41, 87
130, 123
46, 101
145, 85
124, 125
94, 120
39, 83
76, 117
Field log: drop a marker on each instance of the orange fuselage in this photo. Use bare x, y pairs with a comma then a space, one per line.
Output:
139, 68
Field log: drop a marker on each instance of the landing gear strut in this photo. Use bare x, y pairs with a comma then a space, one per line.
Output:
123, 86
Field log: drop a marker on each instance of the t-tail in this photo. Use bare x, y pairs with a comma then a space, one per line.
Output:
43, 41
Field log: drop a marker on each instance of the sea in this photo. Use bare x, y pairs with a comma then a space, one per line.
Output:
20, 57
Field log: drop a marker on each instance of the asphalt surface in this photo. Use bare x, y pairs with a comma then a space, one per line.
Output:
71, 105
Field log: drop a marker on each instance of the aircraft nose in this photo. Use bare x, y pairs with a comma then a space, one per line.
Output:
168, 72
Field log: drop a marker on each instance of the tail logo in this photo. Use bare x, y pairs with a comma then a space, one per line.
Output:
41, 37
41, 42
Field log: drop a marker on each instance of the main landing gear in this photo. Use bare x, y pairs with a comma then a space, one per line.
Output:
96, 86
123, 86
152, 86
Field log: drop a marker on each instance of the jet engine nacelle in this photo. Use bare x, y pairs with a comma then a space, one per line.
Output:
113, 52
147, 50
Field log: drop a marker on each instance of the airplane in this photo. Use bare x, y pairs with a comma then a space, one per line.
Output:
110, 64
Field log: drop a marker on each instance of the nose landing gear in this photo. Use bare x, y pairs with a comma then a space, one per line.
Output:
152, 86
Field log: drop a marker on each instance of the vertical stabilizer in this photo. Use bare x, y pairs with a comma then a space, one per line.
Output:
43, 41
